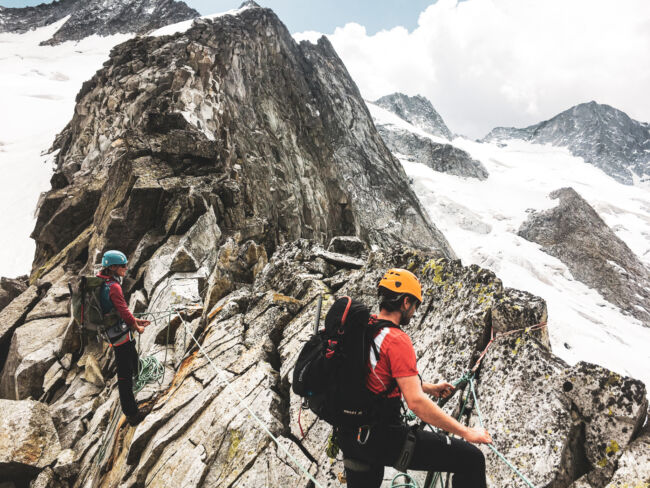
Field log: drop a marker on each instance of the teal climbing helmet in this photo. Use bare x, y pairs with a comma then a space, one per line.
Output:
113, 257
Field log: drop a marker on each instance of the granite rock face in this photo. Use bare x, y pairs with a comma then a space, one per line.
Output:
575, 234
600, 134
101, 17
252, 336
242, 175
28, 440
155, 143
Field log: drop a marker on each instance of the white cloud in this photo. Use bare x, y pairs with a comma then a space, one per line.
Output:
485, 63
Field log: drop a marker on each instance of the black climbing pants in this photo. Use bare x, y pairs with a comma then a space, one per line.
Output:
433, 452
126, 358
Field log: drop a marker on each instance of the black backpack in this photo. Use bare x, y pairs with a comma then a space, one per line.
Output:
330, 373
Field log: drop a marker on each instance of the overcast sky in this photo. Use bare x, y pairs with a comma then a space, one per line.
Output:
488, 63
482, 63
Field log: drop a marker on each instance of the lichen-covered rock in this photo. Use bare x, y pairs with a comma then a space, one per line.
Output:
633, 465
615, 407
28, 439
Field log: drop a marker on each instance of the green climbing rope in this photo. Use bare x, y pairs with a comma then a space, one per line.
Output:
150, 370
434, 478
501, 456
408, 482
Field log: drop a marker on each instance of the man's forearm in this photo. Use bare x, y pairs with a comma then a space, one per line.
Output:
432, 414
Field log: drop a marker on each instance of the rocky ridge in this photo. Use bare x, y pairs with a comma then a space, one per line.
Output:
417, 111
575, 234
445, 158
223, 160
600, 134
416, 141
100, 17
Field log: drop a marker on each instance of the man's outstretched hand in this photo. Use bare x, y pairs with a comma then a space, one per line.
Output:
477, 435
438, 390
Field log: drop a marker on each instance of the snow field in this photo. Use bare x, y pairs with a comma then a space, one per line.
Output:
481, 220
38, 86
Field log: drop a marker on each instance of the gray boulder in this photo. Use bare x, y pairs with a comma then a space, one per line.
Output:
11, 288
34, 348
28, 439
633, 464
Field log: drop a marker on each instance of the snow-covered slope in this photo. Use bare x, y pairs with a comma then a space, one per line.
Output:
88, 17
481, 219
38, 86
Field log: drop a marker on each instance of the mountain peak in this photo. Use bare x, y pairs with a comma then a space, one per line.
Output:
416, 110
601, 134
249, 4
101, 17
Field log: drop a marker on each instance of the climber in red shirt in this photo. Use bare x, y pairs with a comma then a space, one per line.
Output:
394, 373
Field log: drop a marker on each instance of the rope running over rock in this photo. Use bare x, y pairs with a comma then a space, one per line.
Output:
469, 378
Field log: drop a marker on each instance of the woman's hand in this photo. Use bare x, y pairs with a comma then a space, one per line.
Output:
140, 324
438, 390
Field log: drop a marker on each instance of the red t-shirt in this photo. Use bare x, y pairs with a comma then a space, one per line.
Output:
396, 360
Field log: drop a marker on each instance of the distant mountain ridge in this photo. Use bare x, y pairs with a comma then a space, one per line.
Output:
417, 111
602, 135
412, 140
101, 17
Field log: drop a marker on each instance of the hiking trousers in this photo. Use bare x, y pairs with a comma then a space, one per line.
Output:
126, 359
433, 452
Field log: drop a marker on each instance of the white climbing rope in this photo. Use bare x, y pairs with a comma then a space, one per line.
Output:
224, 378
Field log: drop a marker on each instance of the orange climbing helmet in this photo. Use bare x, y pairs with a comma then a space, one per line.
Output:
402, 281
